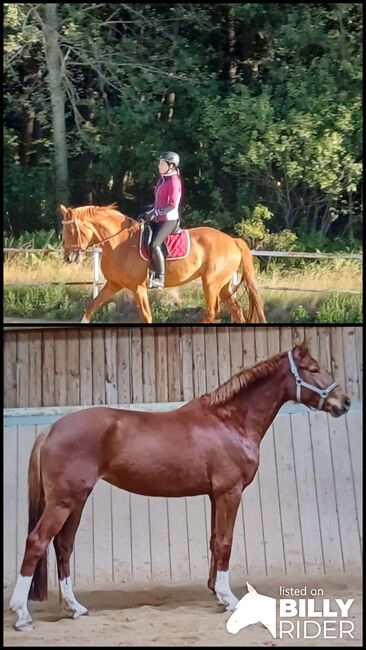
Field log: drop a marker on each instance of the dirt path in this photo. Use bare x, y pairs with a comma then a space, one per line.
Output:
169, 615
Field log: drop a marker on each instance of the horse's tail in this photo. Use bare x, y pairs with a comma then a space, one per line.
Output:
248, 278
36, 505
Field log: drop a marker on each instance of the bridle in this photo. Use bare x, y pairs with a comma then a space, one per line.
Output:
78, 245
323, 392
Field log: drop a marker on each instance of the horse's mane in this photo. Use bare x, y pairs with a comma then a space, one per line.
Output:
243, 379
90, 212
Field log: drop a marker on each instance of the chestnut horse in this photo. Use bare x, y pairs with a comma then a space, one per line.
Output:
213, 256
208, 446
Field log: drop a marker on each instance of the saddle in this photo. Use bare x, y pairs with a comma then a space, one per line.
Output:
176, 246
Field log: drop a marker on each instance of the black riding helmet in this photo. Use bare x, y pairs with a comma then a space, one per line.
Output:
170, 157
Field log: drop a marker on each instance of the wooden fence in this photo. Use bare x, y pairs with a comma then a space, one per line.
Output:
71, 366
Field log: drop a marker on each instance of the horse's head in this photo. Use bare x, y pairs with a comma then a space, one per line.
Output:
313, 386
77, 235
253, 608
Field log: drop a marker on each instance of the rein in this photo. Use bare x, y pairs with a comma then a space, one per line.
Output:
77, 221
323, 392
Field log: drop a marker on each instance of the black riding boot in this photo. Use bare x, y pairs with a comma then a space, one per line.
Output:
159, 268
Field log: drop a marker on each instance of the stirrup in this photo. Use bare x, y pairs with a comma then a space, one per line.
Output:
156, 283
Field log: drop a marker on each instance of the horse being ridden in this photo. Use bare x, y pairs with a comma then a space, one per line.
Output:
208, 446
213, 256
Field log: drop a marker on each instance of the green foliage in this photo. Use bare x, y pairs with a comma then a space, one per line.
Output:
274, 120
340, 309
256, 234
35, 239
301, 315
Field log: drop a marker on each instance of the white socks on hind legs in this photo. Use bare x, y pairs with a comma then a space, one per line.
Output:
19, 600
223, 592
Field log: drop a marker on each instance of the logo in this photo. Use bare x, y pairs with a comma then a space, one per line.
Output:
297, 618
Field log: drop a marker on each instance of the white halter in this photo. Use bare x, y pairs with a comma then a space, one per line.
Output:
323, 392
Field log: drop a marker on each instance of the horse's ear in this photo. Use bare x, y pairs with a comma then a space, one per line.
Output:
66, 212
302, 349
250, 588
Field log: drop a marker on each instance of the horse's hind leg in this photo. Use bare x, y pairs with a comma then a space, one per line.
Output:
64, 546
233, 305
49, 524
213, 567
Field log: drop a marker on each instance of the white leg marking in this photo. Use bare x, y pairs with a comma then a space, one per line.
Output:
223, 592
68, 601
84, 320
18, 603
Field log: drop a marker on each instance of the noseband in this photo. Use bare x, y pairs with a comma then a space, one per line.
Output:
323, 392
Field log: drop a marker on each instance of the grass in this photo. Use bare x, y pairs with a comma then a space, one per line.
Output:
183, 305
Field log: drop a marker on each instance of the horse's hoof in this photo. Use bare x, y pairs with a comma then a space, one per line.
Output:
23, 626
79, 614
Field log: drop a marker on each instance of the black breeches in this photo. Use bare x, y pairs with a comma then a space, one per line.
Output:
160, 232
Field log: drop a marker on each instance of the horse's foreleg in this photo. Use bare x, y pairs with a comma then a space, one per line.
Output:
64, 546
226, 510
142, 301
106, 293
51, 521
211, 294
213, 568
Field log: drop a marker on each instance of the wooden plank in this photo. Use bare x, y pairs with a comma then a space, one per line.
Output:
286, 339
48, 369
359, 357
73, 368
83, 555
325, 493
35, 369
253, 529
337, 358
136, 365
26, 437
160, 553
121, 535
325, 358
223, 354
123, 366
350, 363
10, 504
10, 369
311, 334
102, 525
249, 356
273, 341
345, 495
268, 484
110, 345
161, 364
61, 351
292, 542
305, 479
178, 539
187, 363
236, 350
174, 365
98, 360
355, 441
199, 360
86, 367
140, 538
148, 365
197, 540
212, 371
260, 339
22, 364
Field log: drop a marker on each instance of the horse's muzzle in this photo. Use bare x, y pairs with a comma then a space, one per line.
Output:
336, 411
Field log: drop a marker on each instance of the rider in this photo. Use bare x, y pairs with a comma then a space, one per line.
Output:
164, 215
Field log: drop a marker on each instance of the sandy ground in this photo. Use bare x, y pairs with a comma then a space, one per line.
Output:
168, 614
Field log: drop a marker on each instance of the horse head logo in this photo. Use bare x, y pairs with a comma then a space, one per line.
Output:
253, 608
